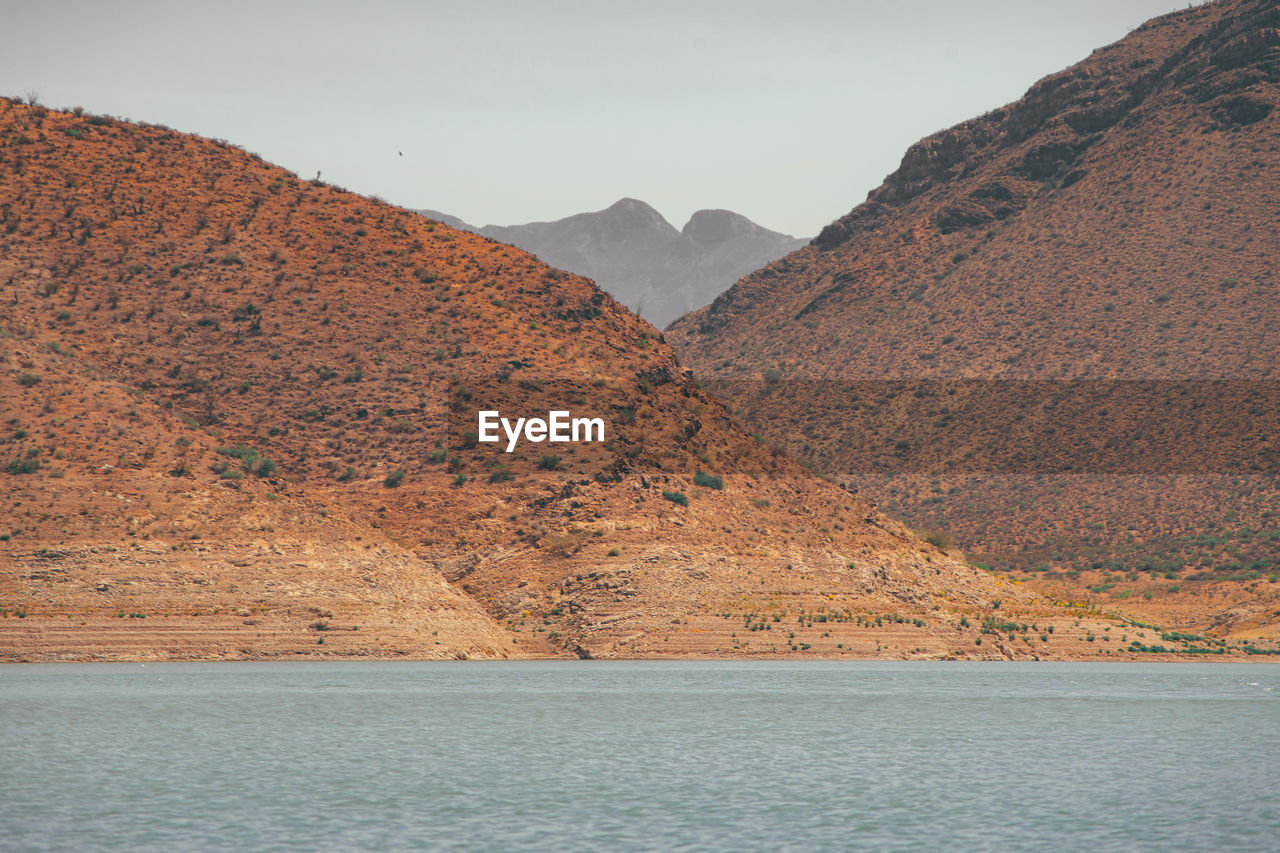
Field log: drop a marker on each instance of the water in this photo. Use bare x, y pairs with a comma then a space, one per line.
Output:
640, 756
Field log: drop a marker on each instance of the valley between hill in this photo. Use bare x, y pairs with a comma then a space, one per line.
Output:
238, 415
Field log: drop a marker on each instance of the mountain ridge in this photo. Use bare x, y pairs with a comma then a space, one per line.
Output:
635, 254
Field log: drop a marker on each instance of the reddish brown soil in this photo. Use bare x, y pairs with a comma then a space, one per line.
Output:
1117, 223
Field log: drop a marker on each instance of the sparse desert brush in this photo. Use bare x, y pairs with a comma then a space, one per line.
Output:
394, 479
676, 497
939, 538
252, 461
562, 544
23, 466
709, 481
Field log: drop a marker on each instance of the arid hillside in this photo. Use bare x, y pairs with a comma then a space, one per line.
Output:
239, 417
1052, 333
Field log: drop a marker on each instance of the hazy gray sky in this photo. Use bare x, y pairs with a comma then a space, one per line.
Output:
509, 112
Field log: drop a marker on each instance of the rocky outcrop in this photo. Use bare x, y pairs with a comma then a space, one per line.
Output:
1214, 63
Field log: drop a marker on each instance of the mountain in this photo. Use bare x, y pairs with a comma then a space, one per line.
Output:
240, 419
1052, 331
640, 259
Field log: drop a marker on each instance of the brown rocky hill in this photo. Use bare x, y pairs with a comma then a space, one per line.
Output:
239, 420
1052, 332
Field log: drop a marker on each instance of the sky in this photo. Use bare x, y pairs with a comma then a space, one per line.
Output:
509, 112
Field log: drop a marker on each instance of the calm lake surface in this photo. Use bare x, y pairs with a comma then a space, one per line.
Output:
639, 756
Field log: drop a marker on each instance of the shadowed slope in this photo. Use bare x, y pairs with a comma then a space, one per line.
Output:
1115, 225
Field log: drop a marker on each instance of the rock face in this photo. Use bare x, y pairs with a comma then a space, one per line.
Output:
1115, 225
238, 418
640, 259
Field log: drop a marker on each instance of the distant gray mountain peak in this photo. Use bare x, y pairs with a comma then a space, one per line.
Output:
635, 205
635, 254
712, 226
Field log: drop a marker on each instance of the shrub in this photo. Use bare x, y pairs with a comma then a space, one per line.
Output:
393, 479
676, 497
938, 538
253, 463
708, 480
500, 474
459, 478
245, 454
28, 380
564, 545
549, 463
23, 466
